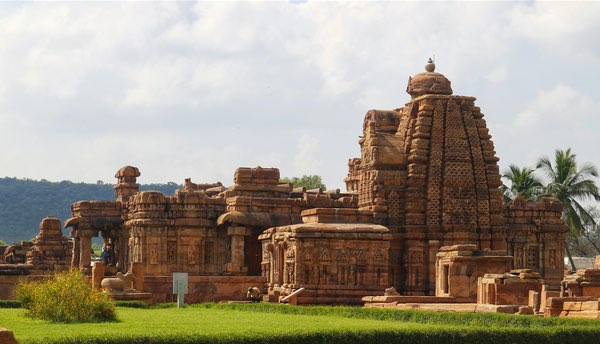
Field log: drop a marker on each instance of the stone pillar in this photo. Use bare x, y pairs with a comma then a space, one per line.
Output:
76, 253
236, 265
139, 271
122, 242
97, 274
85, 251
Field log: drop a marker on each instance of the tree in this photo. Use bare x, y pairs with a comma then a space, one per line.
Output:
571, 186
523, 182
309, 182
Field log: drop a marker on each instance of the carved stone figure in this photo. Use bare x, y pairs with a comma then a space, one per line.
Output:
122, 283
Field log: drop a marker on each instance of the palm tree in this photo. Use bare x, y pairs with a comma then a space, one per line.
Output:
571, 186
523, 182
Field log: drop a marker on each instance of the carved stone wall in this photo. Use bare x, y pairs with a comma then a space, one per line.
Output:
50, 251
334, 257
204, 229
536, 237
428, 171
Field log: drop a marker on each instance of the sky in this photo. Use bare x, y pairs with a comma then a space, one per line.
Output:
186, 89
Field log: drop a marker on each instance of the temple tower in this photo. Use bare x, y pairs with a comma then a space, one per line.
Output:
429, 172
126, 186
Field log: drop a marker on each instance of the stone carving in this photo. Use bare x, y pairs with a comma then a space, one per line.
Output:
154, 255
324, 255
172, 252
121, 283
191, 255
391, 291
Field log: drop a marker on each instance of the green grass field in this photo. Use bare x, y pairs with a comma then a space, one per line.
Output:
267, 323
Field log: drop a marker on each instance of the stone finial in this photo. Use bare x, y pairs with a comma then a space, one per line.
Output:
428, 82
127, 174
126, 186
430, 66
50, 224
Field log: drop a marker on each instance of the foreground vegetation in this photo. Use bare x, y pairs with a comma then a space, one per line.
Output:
269, 323
65, 297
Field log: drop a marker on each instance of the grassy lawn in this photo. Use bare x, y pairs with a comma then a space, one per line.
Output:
264, 323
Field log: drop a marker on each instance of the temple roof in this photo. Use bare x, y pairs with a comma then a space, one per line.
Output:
428, 82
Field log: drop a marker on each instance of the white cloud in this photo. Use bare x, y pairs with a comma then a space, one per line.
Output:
561, 108
567, 27
498, 74
197, 89
306, 159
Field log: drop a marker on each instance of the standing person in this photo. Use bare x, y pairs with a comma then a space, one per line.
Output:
105, 255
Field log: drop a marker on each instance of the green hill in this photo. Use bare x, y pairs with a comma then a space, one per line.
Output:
24, 202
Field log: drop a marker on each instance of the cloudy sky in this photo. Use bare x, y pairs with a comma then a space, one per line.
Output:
197, 89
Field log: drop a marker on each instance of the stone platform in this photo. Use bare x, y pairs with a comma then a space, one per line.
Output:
448, 307
202, 288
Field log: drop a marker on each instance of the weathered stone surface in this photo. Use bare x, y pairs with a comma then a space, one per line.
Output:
7, 337
333, 262
429, 170
50, 250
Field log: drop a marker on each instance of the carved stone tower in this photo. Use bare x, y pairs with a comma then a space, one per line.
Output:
429, 172
127, 186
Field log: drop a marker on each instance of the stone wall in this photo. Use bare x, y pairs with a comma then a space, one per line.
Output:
203, 288
50, 251
536, 237
459, 267
336, 255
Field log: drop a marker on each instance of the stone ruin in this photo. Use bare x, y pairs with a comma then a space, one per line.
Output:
49, 251
423, 213
17, 252
206, 230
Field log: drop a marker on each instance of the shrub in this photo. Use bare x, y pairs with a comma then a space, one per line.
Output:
10, 304
131, 304
66, 297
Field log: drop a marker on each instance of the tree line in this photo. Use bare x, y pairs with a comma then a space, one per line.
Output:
25, 202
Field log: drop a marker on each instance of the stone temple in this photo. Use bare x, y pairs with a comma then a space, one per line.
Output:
423, 213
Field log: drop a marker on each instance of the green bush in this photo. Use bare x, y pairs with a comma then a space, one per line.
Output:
10, 304
131, 304
66, 297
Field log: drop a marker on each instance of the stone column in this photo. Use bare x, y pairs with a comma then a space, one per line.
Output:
85, 250
236, 265
139, 271
76, 253
98, 270
122, 243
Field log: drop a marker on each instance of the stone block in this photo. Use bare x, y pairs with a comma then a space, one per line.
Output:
590, 306
525, 310
534, 300
552, 312
7, 337
590, 290
98, 269
572, 306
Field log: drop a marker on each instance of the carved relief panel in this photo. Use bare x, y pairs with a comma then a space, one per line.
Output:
172, 252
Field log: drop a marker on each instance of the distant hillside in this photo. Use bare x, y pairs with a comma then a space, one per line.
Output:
24, 202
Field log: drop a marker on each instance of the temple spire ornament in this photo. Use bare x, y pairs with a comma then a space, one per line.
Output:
430, 66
